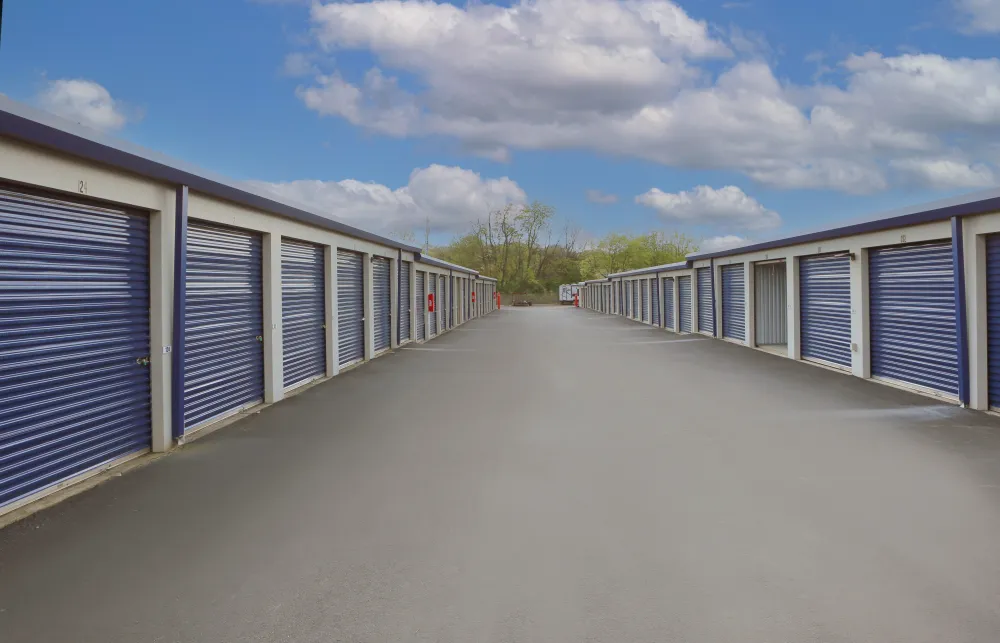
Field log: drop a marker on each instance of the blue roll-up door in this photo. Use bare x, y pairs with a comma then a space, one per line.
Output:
644, 284
443, 305
734, 322
654, 284
421, 306
74, 340
451, 302
668, 303
350, 307
993, 318
684, 294
433, 317
223, 323
706, 305
381, 303
825, 309
303, 312
405, 301
912, 315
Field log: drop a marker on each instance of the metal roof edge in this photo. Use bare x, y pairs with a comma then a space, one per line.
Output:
965, 205
667, 267
23, 123
441, 263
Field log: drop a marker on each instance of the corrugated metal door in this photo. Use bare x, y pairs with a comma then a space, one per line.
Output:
654, 284
993, 318
453, 298
635, 299
433, 318
303, 312
734, 323
223, 323
825, 309
771, 303
912, 315
645, 299
405, 302
668, 303
443, 290
706, 306
421, 306
381, 303
684, 293
350, 307
74, 333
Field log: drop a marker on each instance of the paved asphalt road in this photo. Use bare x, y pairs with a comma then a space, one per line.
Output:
545, 475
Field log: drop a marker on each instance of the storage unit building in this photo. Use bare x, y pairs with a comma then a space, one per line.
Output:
143, 300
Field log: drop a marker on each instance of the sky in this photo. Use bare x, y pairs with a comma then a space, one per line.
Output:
728, 121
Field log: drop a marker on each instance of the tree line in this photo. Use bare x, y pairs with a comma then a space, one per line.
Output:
524, 248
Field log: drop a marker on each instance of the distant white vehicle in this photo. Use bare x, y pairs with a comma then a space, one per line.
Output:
567, 292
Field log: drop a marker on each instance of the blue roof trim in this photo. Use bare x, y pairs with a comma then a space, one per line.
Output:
966, 205
20, 122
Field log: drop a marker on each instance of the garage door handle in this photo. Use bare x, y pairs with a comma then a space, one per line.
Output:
260, 338
142, 361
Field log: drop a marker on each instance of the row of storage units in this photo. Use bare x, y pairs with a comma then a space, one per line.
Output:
152, 302
911, 300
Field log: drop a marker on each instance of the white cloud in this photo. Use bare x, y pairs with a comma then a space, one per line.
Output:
450, 198
625, 77
596, 196
299, 64
727, 207
715, 244
945, 174
979, 16
83, 101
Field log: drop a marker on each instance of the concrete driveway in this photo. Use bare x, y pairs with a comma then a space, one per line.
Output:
544, 475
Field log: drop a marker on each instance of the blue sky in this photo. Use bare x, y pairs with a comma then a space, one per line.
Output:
723, 120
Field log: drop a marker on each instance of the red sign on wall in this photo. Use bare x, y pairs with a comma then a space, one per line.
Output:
430, 302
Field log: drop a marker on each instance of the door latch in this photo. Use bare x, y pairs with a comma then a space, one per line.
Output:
142, 361
260, 338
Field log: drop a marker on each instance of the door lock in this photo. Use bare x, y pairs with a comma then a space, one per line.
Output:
142, 361
260, 338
